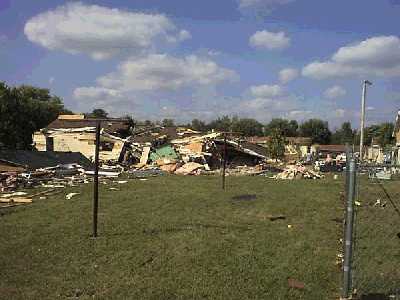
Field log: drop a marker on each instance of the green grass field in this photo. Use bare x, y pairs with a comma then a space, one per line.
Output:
176, 238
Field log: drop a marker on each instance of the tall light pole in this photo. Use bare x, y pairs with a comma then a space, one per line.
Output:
364, 93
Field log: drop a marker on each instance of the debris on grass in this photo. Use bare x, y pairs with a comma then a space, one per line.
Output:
13, 194
298, 172
16, 200
380, 203
70, 195
275, 218
295, 284
190, 168
244, 197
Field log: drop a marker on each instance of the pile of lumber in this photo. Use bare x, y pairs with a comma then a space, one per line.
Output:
298, 172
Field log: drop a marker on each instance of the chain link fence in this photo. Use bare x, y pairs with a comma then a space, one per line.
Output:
375, 256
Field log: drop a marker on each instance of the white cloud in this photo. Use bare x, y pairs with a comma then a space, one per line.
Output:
288, 74
186, 85
266, 91
157, 72
261, 6
213, 52
184, 35
340, 113
269, 40
51, 80
334, 92
377, 56
98, 93
101, 32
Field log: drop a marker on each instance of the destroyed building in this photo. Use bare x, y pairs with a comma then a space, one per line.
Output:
75, 133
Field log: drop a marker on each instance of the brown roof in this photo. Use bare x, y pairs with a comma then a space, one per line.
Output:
110, 125
170, 133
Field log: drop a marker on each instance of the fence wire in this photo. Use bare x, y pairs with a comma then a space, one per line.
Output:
376, 240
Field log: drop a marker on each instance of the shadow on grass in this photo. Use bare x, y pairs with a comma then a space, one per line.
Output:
193, 226
375, 297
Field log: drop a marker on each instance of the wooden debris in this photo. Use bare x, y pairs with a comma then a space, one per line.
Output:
16, 200
189, 168
295, 284
70, 195
298, 172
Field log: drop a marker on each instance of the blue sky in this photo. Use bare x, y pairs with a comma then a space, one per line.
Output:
183, 59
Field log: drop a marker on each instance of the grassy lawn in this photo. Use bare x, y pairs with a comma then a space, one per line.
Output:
176, 238
377, 230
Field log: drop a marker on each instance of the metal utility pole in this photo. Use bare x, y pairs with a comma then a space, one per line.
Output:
96, 180
364, 94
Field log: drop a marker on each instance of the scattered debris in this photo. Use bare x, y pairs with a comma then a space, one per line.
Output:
295, 284
298, 172
245, 197
13, 194
278, 217
70, 195
16, 200
190, 168
380, 203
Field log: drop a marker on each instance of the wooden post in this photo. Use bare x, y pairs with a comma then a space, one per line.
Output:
96, 180
224, 165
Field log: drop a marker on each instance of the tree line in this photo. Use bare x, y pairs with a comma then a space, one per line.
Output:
316, 129
26, 109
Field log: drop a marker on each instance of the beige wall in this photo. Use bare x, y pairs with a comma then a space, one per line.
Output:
82, 142
39, 140
375, 154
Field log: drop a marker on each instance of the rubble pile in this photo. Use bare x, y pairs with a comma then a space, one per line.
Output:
8, 181
298, 172
136, 153
182, 151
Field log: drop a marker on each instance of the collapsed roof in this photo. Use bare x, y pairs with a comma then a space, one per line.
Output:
42, 159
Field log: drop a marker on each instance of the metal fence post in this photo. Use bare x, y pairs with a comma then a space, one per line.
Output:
224, 165
96, 180
348, 237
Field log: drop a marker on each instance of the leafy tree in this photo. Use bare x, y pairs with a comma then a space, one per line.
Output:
317, 129
97, 113
168, 123
344, 135
24, 110
276, 145
198, 125
221, 124
385, 136
247, 126
287, 128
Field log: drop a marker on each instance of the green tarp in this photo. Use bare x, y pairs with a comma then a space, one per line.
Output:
163, 152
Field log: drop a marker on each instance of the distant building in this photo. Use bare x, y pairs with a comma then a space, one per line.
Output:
396, 135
